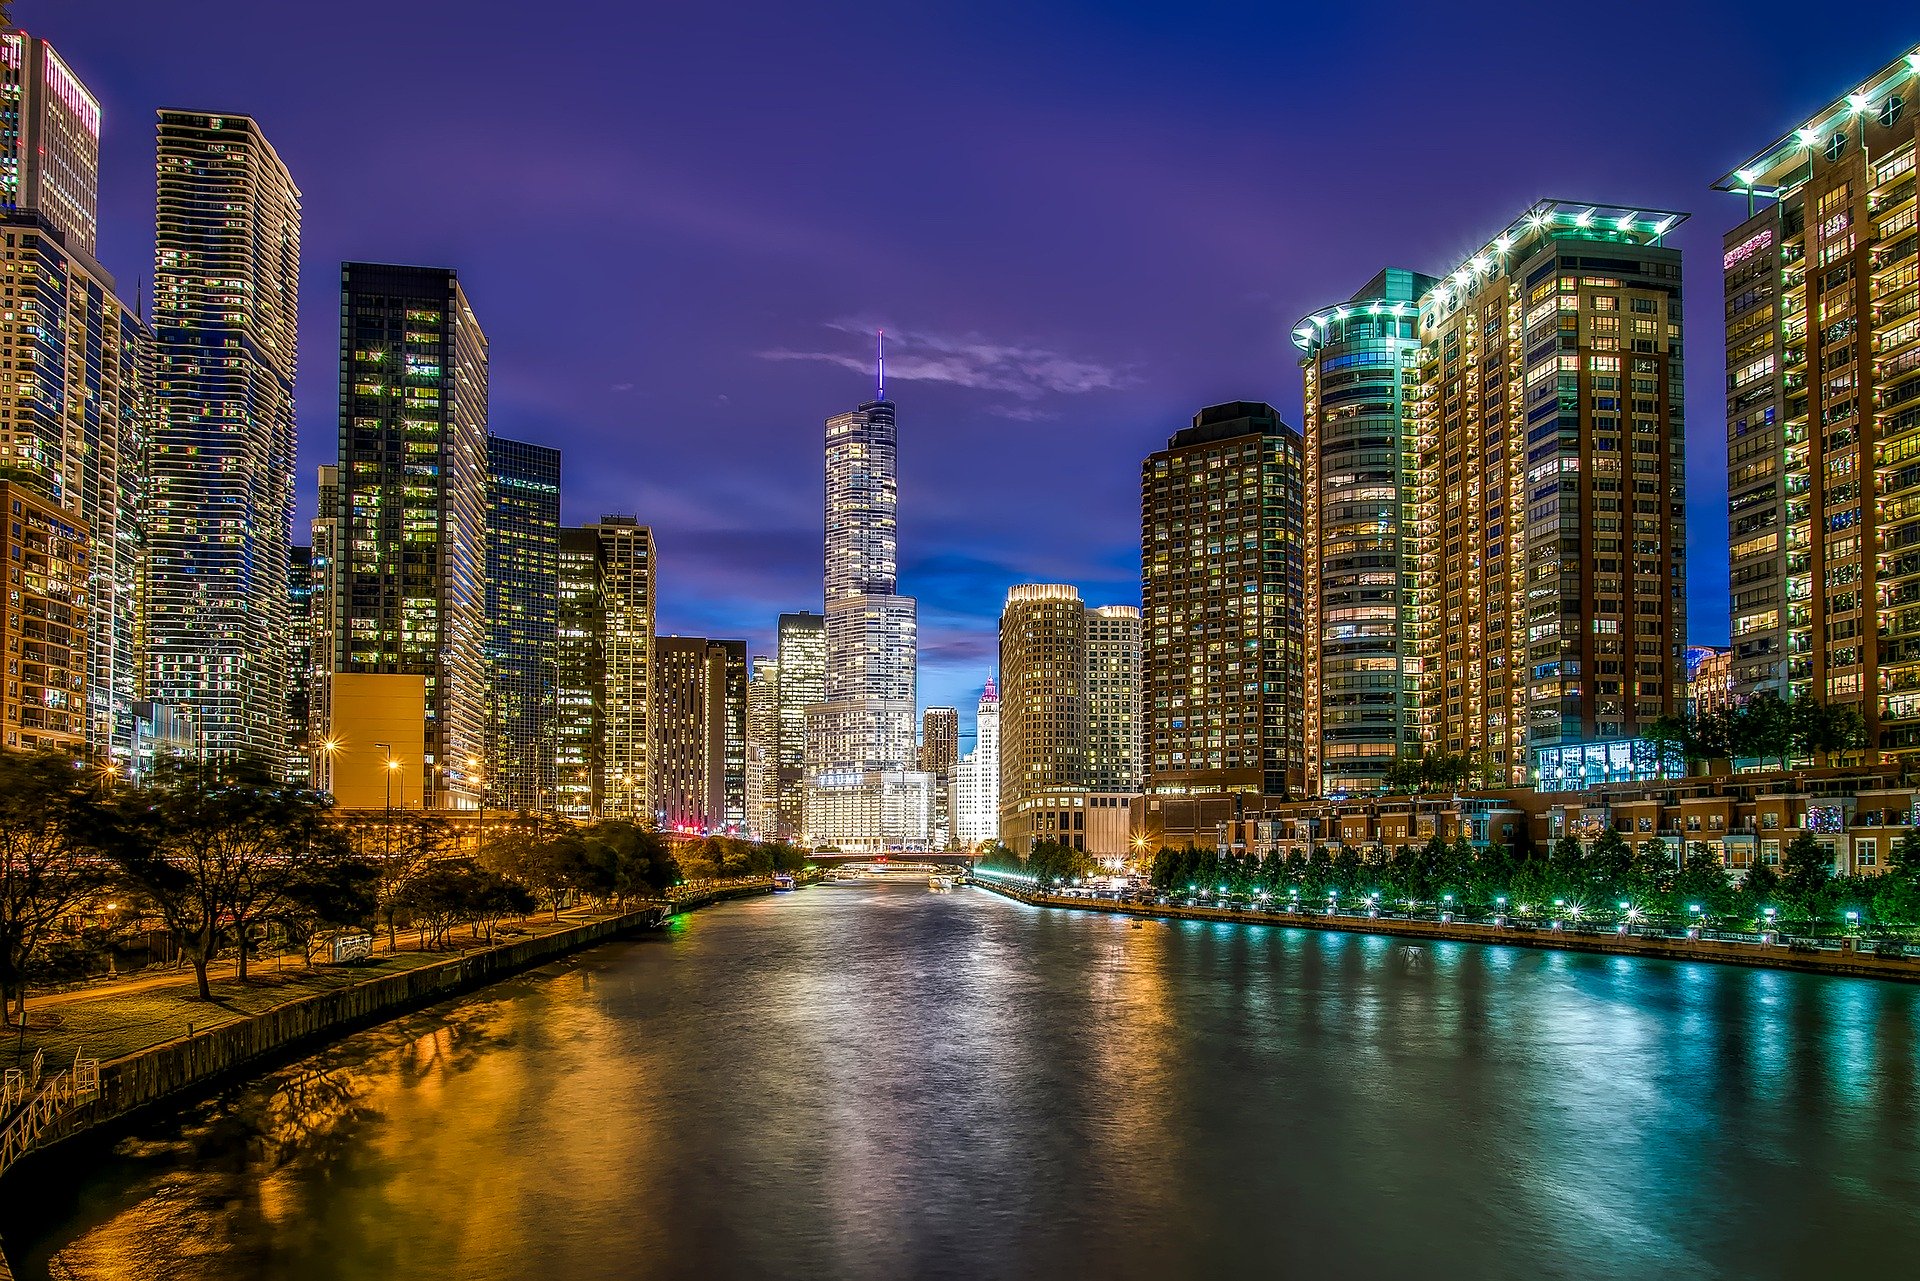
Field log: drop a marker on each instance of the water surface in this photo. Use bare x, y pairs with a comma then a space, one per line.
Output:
878, 1081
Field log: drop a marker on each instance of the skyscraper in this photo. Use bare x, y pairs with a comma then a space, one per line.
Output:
763, 747
1361, 363
1114, 724
626, 568
321, 618
225, 301
803, 684
522, 586
72, 407
1221, 585
939, 754
43, 701
580, 676
1552, 523
1823, 411
300, 636
976, 787
863, 790
699, 734
413, 490
49, 142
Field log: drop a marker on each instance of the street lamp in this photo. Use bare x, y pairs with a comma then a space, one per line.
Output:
1446, 911
392, 766
327, 750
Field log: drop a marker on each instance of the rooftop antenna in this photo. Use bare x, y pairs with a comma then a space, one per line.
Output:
882, 390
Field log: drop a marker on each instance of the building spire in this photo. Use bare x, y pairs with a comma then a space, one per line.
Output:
881, 391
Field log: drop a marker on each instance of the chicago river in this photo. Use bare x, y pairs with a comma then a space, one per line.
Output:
871, 1079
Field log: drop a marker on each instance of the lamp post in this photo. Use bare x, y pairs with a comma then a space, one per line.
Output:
392, 765
327, 750
480, 802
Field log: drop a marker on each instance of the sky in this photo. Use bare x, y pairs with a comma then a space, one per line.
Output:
1079, 223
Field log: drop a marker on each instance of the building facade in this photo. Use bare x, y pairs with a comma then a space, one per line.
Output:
1551, 489
412, 503
1222, 592
699, 715
939, 754
763, 747
49, 141
626, 570
72, 407
45, 628
976, 781
1114, 725
579, 676
1823, 411
1360, 365
300, 637
860, 738
226, 293
523, 602
803, 683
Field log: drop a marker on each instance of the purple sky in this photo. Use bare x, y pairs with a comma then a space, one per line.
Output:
1078, 222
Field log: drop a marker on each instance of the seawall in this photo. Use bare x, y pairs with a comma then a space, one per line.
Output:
1780, 957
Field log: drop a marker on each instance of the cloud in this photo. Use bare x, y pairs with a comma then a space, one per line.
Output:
623, 387
973, 361
1021, 413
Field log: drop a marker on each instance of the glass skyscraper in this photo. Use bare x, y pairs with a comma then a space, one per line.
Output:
1361, 364
523, 586
225, 302
413, 492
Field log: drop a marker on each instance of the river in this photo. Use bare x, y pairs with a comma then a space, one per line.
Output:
874, 1080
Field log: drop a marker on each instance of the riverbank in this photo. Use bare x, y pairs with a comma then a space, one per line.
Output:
181, 1066
1847, 964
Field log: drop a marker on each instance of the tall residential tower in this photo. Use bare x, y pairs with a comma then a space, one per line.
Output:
226, 293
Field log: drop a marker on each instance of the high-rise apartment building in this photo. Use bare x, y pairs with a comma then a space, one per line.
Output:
763, 747
72, 406
226, 294
1221, 585
1114, 724
1069, 712
863, 790
49, 142
523, 600
939, 754
300, 636
1361, 368
322, 557
699, 715
1551, 589
976, 784
413, 494
626, 571
1823, 411
579, 676
45, 628
803, 683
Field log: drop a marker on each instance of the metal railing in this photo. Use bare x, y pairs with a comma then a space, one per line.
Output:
45, 1106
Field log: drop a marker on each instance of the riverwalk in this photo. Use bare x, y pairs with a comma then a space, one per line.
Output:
1845, 962
193, 1044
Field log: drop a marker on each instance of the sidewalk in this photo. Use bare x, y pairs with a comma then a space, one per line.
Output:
107, 1020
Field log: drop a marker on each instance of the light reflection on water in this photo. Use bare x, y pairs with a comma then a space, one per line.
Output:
876, 1081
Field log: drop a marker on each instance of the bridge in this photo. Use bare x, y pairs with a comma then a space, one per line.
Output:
895, 860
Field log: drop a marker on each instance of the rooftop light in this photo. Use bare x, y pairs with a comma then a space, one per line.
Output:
1913, 62
1624, 224
1584, 220
1746, 176
1857, 102
1808, 137
1665, 225
1503, 244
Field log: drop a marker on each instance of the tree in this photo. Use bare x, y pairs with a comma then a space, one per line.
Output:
409, 844
547, 855
47, 861
1806, 871
278, 848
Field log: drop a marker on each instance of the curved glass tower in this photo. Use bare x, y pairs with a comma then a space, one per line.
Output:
1360, 361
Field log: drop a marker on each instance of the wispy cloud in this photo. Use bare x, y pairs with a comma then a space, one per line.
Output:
1021, 413
972, 360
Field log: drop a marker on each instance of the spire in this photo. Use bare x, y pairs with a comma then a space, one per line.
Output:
881, 391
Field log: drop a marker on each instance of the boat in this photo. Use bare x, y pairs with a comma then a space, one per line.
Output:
938, 882
783, 882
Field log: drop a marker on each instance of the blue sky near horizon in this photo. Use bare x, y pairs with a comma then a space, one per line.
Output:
1078, 223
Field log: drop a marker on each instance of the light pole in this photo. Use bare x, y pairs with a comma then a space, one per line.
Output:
392, 765
480, 800
327, 750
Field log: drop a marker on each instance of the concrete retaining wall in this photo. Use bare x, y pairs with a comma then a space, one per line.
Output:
1847, 964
